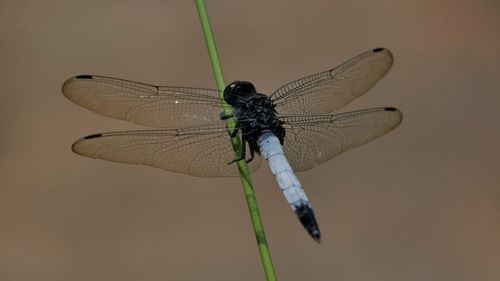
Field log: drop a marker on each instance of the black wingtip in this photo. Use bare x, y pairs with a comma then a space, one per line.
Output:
376, 50
85, 76
390, 109
93, 136
306, 216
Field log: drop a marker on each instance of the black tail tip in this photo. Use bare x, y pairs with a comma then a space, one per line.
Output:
316, 235
306, 216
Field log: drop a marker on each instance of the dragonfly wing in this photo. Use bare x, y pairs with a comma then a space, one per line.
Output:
312, 140
203, 152
327, 91
155, 106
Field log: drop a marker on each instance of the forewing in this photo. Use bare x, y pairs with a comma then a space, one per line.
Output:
155, 106
199, 152
312, 140
324, 92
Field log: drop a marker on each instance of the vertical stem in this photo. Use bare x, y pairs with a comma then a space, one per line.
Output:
253, 208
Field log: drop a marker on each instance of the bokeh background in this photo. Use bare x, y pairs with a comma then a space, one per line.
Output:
421, 203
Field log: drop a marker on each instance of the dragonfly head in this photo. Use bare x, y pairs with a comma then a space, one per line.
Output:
238, 89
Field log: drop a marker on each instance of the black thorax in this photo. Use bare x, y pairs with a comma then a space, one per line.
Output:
254, 113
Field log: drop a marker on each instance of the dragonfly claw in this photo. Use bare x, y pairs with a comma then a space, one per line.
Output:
235, 160
249, 160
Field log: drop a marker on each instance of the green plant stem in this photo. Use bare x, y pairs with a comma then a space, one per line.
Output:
253, 209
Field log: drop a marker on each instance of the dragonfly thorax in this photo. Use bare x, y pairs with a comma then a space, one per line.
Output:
254, 112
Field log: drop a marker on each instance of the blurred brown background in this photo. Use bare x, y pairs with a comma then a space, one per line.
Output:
421, 203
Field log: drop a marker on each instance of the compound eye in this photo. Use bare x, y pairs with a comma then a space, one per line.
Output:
245, 88
230, 93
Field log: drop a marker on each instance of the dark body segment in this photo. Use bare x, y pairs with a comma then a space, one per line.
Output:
254, 113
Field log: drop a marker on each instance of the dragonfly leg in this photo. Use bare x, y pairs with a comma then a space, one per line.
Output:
234, 133
243, 148
243, 152
224, 116
280, 133
252, 154
235, 130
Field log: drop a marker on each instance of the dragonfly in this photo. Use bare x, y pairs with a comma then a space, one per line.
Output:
294, 129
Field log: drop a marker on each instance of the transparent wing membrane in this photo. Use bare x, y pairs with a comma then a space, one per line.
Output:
154, 106
199, 152
195, 140
312, 140
324, 92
